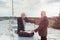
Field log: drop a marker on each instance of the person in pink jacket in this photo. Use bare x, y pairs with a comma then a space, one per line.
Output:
42, 29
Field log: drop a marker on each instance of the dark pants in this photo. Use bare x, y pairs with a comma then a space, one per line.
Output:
25, 34
43, 38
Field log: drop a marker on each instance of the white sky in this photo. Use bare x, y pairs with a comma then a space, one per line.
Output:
5, 8
32, 8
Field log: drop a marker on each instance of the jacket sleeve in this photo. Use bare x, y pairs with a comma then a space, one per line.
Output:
43, 24
39, 25
19, 25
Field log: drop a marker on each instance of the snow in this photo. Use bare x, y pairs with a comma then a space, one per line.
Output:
7, 31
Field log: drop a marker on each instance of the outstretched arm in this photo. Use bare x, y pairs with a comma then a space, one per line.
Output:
39, 24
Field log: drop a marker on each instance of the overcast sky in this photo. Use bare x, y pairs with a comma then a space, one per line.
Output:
32, 8
5, 8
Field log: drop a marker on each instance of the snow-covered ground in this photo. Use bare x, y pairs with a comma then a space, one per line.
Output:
8, 31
